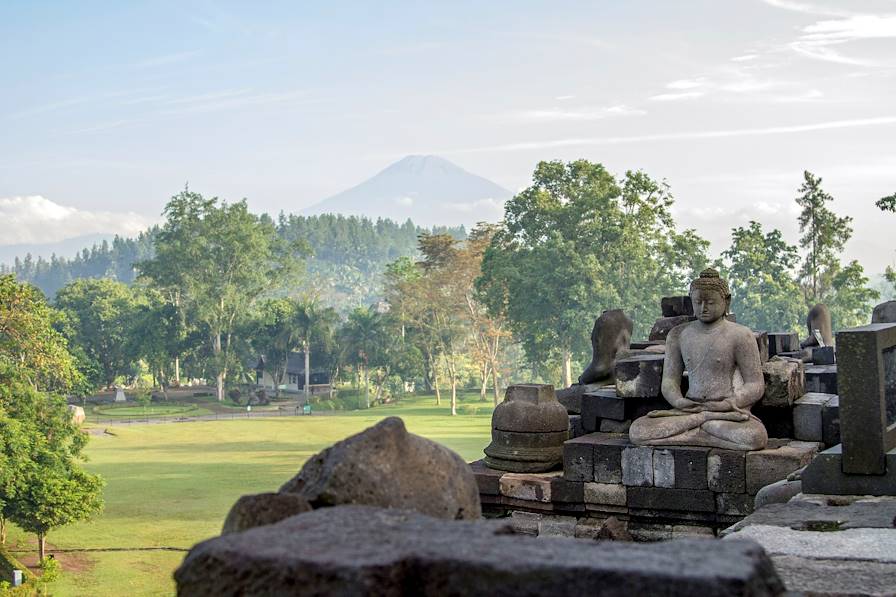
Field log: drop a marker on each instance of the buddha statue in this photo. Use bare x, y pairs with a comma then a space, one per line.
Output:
724, 379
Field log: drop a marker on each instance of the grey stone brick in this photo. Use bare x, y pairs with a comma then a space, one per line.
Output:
663, 468
637, 466
726, 471
807, 417
690, 467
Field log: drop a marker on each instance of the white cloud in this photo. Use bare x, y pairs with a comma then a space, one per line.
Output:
35, 219
674, 97
807, 8
556, 114
855, 27
404, 201
562, 98
481, 207
716, 134
745, 58
687, 83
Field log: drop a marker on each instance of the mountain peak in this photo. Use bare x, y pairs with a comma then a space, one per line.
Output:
426, 188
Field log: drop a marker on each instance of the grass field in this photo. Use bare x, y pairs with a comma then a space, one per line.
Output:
171, 484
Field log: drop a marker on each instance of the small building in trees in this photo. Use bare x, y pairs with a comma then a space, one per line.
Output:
294, 377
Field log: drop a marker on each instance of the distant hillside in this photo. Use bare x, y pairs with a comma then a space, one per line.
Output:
67, 248
427, 189
349, 256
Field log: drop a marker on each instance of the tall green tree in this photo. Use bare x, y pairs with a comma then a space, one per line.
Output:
889, 204
759, 266
99, 317
577, 242
361, 337
230, 258
824, 236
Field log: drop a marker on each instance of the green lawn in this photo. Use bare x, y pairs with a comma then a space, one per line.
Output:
170, 485
152, 410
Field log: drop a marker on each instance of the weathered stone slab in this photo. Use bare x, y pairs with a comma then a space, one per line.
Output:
807, 417
765, 467
661, 498
487, 479
734, 504
567, 491
571, 397
779, 492
830, 422
784, 382
779, 342
386, 466
355, 550
806, 515
639, 377
578, 458
531, 487
664, 325
575, 426
608, 458
690, 467
823, 355
821, 379
606, 494
637, 466
726, 471
676, 306
611, 426
663, 468
827, 468
818, 577
554, 525
259, 509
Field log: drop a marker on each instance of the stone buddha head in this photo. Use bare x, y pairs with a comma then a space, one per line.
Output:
710, 296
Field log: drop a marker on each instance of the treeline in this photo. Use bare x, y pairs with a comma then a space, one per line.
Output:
347, 256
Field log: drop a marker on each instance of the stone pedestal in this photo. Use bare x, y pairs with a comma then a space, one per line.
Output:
528, 430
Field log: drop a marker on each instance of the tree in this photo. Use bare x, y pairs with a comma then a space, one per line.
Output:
759, 268
99, 318
824, 236
156, 336
360, 337
312, 323
577, 242
230, 258
28, 341
889, 204
55, 494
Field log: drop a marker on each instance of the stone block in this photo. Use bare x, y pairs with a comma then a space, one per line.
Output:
530, 487
692, 531
825, 475
661, 498
603, 404
355, 550
821, 379
525, 523
830, 422
567, 491
578, 459
650, 532
807, 417
823, 355
675, 306
762, 344
554, 525
605, 494
610, 426
779, 342
784, 382
608, 458
764, 467
663, 468
664, 325
639, 377
778, 420
734, 504
575, 426
637, 466
487, 479
726, 471
690, 467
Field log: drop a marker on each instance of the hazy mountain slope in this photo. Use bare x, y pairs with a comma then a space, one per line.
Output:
65, 248
427, 189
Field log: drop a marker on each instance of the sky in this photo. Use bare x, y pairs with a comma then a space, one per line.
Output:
109, 108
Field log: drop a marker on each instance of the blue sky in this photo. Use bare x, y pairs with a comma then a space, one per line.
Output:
108, 108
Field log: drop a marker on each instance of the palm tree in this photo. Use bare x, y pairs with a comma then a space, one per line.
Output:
309, 321
361, 337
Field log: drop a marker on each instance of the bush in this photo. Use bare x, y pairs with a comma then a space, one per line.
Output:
235, 395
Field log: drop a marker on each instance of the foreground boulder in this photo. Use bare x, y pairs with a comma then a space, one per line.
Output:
357, 550
252, 511
388, 467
